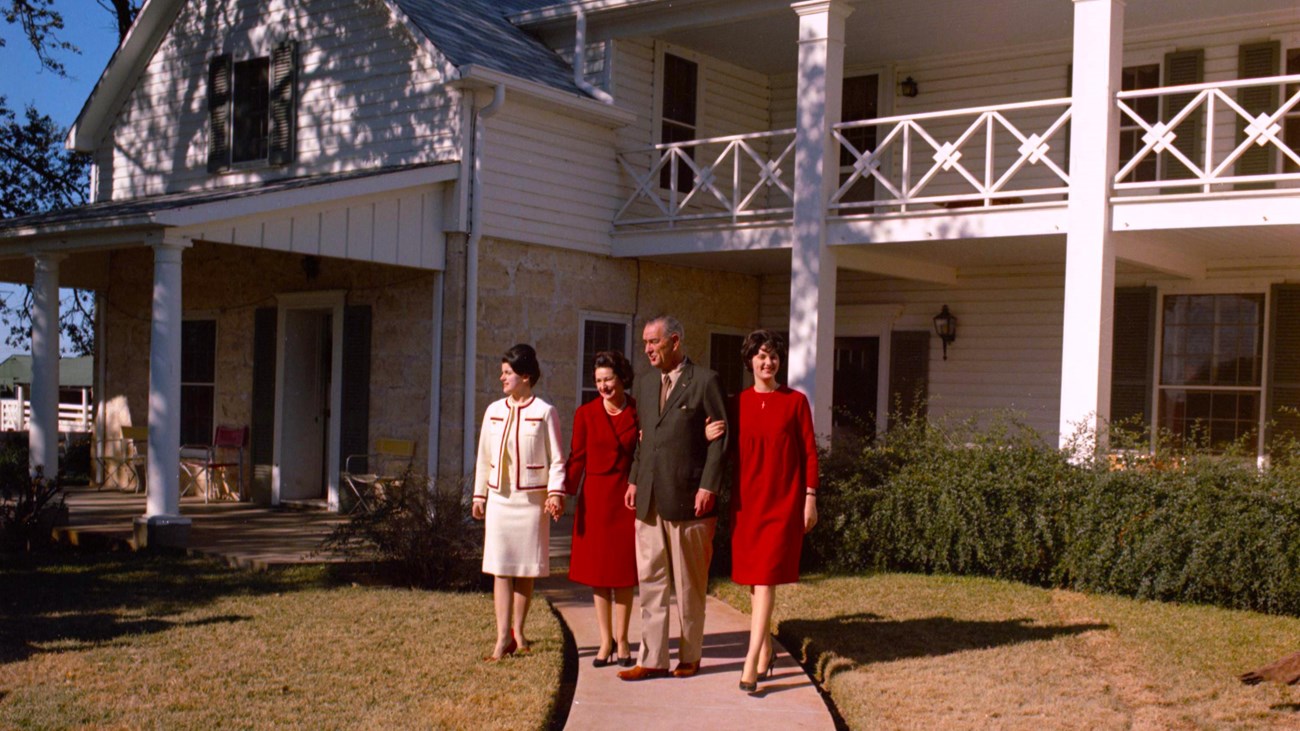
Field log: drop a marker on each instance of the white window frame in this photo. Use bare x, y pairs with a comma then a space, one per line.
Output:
611, 318
656, 132
1266, 349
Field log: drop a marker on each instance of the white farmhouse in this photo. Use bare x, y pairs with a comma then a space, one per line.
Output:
326, 220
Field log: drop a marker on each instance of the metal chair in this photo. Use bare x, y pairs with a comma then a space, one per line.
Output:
225, 452
366, 474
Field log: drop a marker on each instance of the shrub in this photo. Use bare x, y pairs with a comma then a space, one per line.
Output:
422, 532
30, 506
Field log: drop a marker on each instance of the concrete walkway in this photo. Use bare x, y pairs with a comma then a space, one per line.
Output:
261, 538
710, 700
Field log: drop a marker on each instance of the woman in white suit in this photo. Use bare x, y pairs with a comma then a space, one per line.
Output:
518, 482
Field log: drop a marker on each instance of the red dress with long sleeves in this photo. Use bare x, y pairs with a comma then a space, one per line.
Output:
776, 461
604, 536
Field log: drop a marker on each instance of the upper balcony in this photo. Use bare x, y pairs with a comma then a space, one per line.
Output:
1195, 142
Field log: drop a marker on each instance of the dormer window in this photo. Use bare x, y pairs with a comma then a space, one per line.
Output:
252, 109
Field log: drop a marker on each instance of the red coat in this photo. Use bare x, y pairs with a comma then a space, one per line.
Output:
604, 536
776, 463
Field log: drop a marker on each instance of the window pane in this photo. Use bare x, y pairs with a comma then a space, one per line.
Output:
252, 98
724, 357
681, 84
196, 414
198, 351
598, 335
1209, 418
1130, 132
1213, 340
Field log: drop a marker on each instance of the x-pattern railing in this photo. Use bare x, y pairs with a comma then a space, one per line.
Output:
1214, 153
738, 177
898, 165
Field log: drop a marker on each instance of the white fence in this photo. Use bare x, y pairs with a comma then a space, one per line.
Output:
72, 417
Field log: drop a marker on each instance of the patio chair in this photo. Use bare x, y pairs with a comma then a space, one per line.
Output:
366, 474
225, 452
124, 469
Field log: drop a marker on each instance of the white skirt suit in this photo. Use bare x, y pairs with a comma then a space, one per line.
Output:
520, 462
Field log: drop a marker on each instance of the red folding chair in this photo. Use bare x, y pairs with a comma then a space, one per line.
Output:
225, 452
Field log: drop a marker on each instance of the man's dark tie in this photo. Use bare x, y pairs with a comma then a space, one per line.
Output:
663, 391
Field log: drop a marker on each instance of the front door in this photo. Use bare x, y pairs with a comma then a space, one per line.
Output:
857, 373
306, 387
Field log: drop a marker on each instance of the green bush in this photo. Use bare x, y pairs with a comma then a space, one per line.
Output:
421, 532
30, 506
1189, 524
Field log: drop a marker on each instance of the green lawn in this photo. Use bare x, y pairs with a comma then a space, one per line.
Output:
126, 641
902, 651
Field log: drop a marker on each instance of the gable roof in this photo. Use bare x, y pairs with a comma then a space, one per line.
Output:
75, 372
468, 33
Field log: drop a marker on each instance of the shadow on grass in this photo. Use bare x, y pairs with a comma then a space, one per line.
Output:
863, 639
81, 598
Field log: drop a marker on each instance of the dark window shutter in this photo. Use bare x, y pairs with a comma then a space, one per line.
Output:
284, 103
354, 422
262, 444
1253, 61
909, 373
1184, 67
219, 113
1132, 356
1284, 368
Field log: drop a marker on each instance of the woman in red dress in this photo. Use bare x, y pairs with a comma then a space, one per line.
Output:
604, 539
774, 498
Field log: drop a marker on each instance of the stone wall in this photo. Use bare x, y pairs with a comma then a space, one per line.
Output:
230, 283
536, 295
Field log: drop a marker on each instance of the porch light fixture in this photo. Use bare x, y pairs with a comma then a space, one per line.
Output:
908, 88
945, 326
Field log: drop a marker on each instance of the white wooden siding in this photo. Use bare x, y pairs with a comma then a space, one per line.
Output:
367, 96
402, 228
548, 178
1007, 355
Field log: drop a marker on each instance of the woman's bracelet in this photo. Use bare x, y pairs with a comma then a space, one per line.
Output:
811, 492
480, 497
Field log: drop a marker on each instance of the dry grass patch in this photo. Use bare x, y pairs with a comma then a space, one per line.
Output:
903, 651
132, 642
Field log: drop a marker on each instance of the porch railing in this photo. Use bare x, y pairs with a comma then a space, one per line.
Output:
1211, 137
976, 157
736, 178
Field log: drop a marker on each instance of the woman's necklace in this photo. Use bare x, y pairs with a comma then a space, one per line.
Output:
615, 410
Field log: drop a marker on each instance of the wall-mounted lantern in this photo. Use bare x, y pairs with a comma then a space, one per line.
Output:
908, 88
945, 326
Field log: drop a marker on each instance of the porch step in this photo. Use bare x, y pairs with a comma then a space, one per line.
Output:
313, 506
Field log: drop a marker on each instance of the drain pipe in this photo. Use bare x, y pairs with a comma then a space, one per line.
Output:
580, 58
470, 441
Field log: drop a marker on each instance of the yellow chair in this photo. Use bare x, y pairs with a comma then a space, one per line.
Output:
366, 474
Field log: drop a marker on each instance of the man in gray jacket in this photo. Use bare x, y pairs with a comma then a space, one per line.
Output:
673, 486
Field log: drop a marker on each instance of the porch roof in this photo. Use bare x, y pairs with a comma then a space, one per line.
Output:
196, 207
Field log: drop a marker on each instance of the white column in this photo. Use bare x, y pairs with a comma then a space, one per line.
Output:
1090, 253
162, 523
812, 262
43, 433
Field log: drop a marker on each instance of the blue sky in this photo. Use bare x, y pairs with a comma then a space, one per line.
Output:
88, 26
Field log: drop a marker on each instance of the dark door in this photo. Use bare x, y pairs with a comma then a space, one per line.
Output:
853, 404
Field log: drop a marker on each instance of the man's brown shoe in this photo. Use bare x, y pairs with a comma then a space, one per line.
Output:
642, 673
686, 669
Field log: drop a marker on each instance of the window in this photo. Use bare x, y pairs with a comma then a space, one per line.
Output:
599, 332
198, 380
251, 109
1210, 386
681, 88
1130, 132
861, 100
724, 358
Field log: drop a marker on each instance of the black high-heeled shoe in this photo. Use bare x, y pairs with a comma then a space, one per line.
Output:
610, 659
750, 688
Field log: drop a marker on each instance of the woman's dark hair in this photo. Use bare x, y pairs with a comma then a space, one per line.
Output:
523, 360
614, 360
758, 340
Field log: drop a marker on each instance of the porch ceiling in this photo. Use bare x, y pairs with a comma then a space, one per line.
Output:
888, 31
